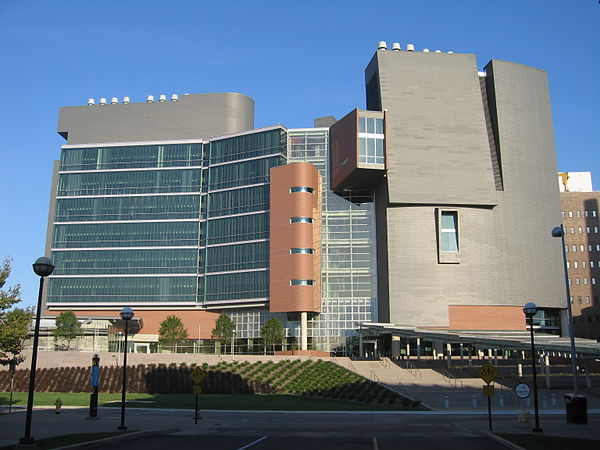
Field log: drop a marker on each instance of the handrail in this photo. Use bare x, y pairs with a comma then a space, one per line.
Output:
412, 369
374, 377
452, 380
385, 362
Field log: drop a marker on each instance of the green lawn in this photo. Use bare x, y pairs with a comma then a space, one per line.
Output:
538, 442
276, 402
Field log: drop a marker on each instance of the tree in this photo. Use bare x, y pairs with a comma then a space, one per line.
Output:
272, 333
13, 332
11, 296
171, 332
67, 328
224, 329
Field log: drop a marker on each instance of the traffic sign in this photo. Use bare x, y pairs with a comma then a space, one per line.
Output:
488, 373
522, 390
488, 390
198, 375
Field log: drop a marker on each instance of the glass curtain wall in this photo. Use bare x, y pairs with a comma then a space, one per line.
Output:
128, 223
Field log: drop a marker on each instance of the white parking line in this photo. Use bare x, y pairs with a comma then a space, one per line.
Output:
252, 443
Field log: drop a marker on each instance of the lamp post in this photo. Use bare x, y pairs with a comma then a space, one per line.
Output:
42, 267
560, 232
530, 309
126, 314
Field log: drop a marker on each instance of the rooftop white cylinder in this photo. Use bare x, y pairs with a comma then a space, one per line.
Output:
410, 47
162, 98
114, 101
126, 100
174, 98
103, 101
382, 45
150, 99
91, 102
396, 47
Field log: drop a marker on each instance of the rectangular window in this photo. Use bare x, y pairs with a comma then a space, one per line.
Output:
582, 248
577, 281
587, 299
593, 213
580, 229
585, 281
570, 213
579, 299
587, 229
563, 213
574, 248
578, 213
568, 265
575, 265
591, 264
593, 280
583, 264
587, 213
572, 230
596, 230
449, 231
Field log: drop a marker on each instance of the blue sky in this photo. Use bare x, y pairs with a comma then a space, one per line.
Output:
298, 60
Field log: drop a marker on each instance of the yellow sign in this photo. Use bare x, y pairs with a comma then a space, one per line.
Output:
488, 373
198, 375
197, 389
488, 390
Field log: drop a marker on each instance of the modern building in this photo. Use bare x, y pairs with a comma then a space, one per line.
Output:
581, 221
429, 209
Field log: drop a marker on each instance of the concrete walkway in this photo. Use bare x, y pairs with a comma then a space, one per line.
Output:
440, 392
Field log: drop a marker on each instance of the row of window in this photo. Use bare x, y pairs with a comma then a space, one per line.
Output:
587, 299
301, 251
586, 213
582, 248
302, 189
585, 281
582, 264
580, 230
303, 282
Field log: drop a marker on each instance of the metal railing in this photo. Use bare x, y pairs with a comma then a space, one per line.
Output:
412, 369
452, 380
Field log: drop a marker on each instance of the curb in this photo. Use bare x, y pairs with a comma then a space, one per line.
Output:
121, 437
503, 441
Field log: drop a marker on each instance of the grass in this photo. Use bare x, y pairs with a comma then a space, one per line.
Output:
69, 439
537, 442
276, 402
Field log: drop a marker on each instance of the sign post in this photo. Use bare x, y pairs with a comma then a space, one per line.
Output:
94, 382
488, 373
197, 376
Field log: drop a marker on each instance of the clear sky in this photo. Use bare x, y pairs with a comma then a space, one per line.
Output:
297, 59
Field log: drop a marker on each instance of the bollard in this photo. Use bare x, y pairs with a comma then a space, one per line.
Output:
501, 400
57, 405
553, 399
474, 401
446, 402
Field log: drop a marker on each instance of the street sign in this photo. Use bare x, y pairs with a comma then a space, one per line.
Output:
488, 373
522, 390
198, 375
197, 389
488, 390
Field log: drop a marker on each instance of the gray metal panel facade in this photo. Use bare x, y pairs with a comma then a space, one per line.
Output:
195, 116
439, 157
436, 129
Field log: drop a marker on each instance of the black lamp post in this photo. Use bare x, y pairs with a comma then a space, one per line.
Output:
126, 314
530, 309
42, 267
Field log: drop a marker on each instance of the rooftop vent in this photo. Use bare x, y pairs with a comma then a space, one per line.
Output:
150, 99
126, 100
425, 50
114, 101
396, 47
410, 47
438, 51
91, 102
450, 52
162, 98
382, 45
102, 101
174, 98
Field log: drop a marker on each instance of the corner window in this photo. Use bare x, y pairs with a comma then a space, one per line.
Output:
301, 251
302, 189
301, 220
302, 282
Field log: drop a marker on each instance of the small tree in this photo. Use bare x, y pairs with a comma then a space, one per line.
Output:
13, 332
272, 333
67, 328
224, 329
171, 332
10, 296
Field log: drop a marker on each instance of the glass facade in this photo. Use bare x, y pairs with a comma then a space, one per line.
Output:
371, 147
165, 223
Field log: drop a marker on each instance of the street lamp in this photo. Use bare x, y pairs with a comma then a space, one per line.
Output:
126, 314
42, 267
530, 309
560, 232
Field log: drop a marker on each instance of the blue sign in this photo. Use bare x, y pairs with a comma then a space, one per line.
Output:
95, 377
